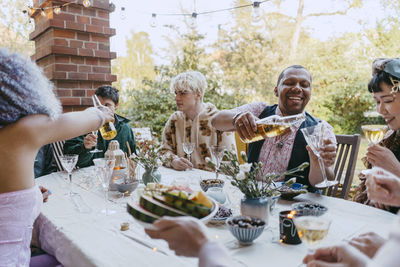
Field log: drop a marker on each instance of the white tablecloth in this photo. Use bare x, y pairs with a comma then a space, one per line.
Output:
94, 239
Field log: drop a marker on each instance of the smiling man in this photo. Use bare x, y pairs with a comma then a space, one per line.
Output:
288, 150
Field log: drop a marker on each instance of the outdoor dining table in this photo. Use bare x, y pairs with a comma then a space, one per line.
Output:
78, 234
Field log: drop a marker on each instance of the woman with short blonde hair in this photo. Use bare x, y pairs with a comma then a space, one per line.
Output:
192, 124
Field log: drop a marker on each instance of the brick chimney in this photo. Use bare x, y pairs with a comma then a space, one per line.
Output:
73, 48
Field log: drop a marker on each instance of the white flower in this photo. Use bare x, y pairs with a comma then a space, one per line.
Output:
246, 167
208, 159
159, 162
241, 176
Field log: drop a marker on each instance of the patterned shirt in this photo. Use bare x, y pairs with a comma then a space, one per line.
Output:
276, 151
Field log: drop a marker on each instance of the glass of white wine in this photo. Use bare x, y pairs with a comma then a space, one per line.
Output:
217, 153
312, 229
188, 148
107, 131
314, 138
374, 133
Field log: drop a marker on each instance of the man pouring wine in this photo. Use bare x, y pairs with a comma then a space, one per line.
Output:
285, 149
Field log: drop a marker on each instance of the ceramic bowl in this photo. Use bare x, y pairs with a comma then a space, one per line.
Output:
295, 190
127, 188
245, 236
208, 183
309, 209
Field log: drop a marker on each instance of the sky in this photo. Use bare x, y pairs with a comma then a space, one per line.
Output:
138, 14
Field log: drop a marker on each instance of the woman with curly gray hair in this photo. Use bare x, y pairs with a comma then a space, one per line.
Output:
29, 118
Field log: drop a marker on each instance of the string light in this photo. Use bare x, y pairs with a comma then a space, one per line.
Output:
153, 20
57, 10
31, 10
122, 14
193, 21
256, 15
87, 3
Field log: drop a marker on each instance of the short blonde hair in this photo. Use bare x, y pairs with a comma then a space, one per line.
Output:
192, 81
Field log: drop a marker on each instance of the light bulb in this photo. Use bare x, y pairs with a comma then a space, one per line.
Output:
57, 10
153, 20
31, 10
87, 3
256, 15
43, 13
122, 14
193, 21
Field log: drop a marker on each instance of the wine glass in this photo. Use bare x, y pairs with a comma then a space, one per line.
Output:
95, 150
68, 161
314, 138
108, 130
217, 152
312, 229
188, 148
374, 133
105, 169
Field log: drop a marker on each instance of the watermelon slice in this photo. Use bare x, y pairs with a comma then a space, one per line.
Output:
157, 207
141, 214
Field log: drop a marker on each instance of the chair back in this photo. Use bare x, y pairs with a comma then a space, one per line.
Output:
142, 134
57, 152
240, 146
345, 164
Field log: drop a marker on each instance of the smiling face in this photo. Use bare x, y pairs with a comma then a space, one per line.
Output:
186, 100
293, 91
388, 105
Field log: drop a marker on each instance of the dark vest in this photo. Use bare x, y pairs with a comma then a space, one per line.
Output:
299, 151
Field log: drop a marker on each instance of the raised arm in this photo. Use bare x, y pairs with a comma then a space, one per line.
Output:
222, 121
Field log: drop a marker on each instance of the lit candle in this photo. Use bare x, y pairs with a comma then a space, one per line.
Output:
287, 229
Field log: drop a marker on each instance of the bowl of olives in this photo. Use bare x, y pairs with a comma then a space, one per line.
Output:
208, 183
245, 229
309, 209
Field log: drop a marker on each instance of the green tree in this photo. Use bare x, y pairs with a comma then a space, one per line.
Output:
15, 26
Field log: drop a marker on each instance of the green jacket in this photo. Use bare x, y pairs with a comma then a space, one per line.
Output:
124, 134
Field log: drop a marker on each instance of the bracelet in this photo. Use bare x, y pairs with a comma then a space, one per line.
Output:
235, 117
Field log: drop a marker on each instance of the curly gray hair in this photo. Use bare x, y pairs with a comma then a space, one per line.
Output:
192, 81
24, 90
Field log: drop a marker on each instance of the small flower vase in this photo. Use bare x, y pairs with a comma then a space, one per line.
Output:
151, 176
256, 207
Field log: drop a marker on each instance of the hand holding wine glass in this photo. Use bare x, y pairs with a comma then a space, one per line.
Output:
188, 148
90, 141
314, 138
108, 130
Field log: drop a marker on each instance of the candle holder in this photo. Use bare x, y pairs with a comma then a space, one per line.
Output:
287, 229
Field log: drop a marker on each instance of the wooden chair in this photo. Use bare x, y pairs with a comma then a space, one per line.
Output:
346, 158
57, 152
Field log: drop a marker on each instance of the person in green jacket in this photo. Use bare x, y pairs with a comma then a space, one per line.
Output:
82, 145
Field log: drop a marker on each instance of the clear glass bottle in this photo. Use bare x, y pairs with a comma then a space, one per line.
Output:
273, 126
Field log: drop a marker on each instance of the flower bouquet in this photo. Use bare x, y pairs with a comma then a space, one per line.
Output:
248, 177
149, 158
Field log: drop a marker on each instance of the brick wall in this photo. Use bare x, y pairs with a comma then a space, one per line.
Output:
73, 48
